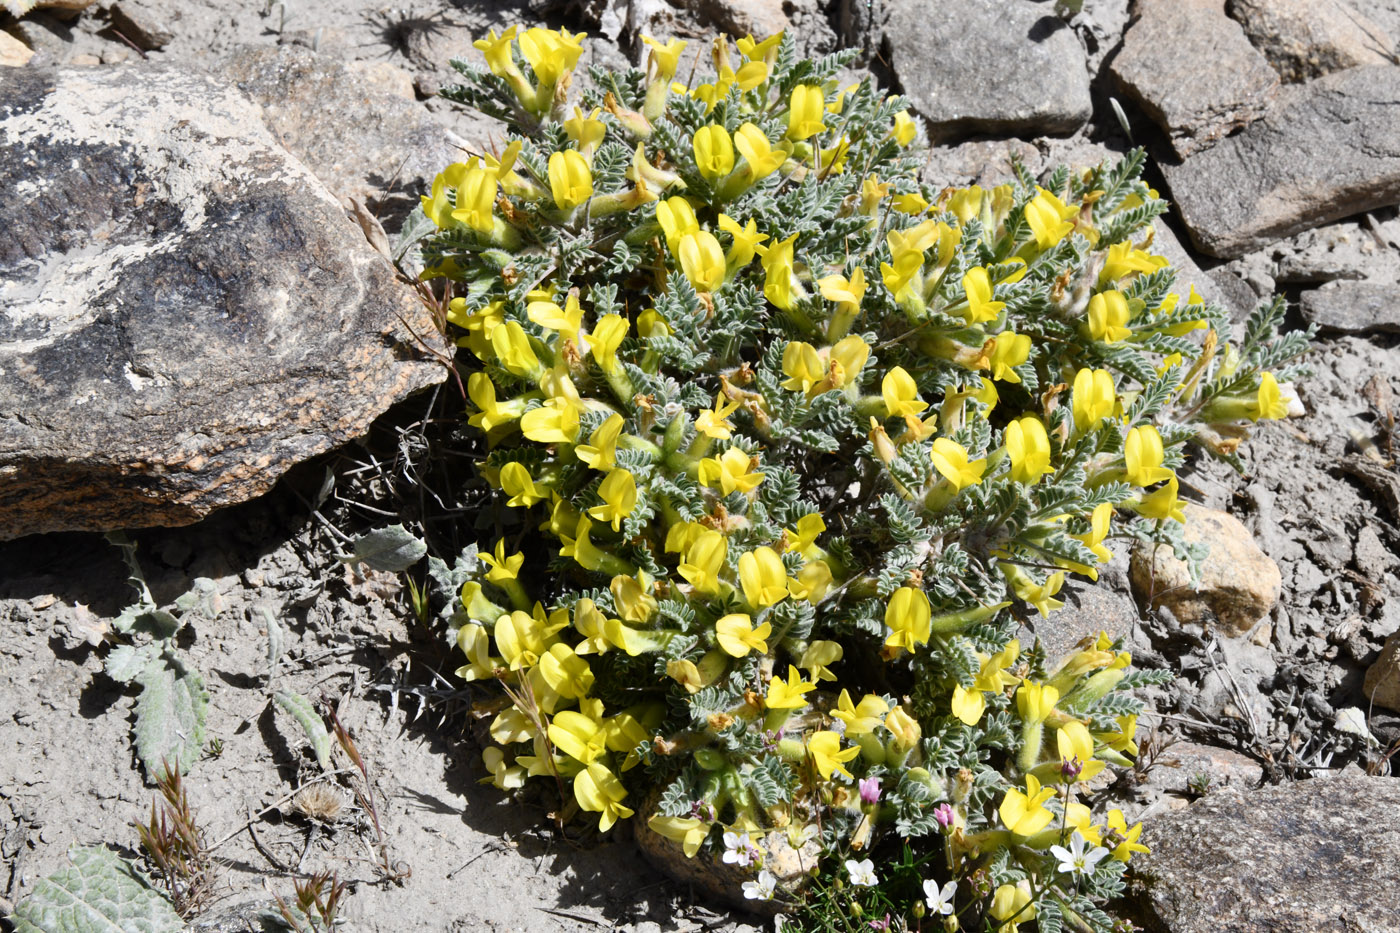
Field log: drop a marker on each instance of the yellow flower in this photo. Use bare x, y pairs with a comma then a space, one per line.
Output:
580, 547
812, 582
476, 196
511, 726
1108, 316
602, 634
570, 180
806, 107
523, 637
1099, 521
502, 567
1162, 504
904, 728
714, 151
968, 705
1094, 397
950, 460
601, 449
909, 616
605, 339
1118, 826
493, 414
788, 694
665, 59
566, 320
1035, 701
1039, 595
1123, 259
1011, 904
737, 636
677, 218
1269, 403
1028, 446
1074, 743
566, 673
619, 494
704, 560
802, 366
767, 50
517, 483
551, 54
747, 241
847, 293
496, 50
860, 718
911, 202
633, 597
827, 754
687, 831
901, 394
818, 658
760, 158
1009, 350
1025, 813
714, 422
598, 790
980, 306
905, 129
1142, 456
763, 577
732, 470
802, 537
513, 350
554, 422
1049, 218
966, 203
506, 777
587, 132
476, 645
702, 260
778, 272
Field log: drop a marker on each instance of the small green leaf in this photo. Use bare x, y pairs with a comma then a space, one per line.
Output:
101, 893
170, 714
392, 549
126, 662
300, 709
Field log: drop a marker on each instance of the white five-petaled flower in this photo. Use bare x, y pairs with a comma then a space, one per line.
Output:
1080, 858
862, 873
740, 850
763, 888
940, 901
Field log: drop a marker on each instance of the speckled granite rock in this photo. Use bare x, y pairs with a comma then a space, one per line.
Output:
1317, 856
185, 311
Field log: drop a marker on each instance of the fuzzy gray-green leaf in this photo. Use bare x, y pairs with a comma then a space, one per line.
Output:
300, 709
101, 893
393, 549
170, 714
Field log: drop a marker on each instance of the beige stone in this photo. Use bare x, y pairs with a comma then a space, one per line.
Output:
1382, 683
13, 53
76, 6
1239, 583
384, 76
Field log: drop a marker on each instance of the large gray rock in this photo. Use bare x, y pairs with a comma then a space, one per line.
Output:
1306, 39
1353, 307
1325, 150
360, 141
1317, 856
185, 311
994, 66
1192, 71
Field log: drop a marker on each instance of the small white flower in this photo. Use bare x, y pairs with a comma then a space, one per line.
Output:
940, 902
740, 850
763, 888
1079, 858
862, 873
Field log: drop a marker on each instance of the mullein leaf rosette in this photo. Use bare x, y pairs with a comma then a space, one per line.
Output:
794, 440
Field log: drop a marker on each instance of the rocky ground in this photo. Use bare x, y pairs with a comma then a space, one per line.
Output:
1271, 125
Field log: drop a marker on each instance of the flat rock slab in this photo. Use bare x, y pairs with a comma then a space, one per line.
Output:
1317, 856
1325, 150
1306, 39
185, 311
1008, 67
1193, 71
1354, 307
362, 142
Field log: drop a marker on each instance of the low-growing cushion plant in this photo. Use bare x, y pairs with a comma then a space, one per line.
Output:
793, 444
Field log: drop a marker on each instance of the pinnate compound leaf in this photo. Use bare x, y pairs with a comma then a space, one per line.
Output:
393, 549
101, 893
170, 714
300, 709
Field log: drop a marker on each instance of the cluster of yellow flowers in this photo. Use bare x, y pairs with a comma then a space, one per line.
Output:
665, 499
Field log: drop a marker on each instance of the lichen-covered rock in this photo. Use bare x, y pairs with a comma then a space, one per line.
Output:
1325, 150
1239, 583
988, 66
362, 142
1222, 84
185, 311
1305, 39
1316, 856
